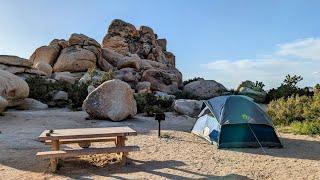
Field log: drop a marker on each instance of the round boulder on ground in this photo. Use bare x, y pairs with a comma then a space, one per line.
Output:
187, 107
204, 89
12, 87
111, 100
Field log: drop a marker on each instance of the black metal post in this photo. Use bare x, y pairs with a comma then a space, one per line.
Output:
159, 117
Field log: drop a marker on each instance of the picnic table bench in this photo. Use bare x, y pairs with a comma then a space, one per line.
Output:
84, 137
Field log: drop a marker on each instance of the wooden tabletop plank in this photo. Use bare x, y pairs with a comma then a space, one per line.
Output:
87, 133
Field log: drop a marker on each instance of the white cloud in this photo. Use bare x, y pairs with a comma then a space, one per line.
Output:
297, 57
305, 48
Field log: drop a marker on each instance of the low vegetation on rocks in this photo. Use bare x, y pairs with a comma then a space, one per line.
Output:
149, 103
44, 90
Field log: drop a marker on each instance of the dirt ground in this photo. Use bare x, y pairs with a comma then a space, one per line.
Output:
180, 155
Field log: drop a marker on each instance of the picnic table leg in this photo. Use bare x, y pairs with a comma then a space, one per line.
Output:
54, 161
121, 142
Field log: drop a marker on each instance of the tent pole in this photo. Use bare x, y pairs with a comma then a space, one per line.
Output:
257, 139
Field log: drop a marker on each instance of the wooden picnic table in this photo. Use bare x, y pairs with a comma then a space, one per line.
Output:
84, 137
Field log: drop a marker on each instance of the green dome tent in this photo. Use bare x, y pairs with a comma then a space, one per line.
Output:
235, 121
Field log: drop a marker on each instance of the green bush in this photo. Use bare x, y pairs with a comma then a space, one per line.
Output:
300, 113
149, 104
285, 111
77, 93
306, 128
43, 90
40, 88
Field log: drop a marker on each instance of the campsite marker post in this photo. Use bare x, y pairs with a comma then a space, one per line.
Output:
160, 117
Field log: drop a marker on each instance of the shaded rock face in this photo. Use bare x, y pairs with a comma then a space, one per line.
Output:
205, 89
125, 39
187, 107
111, 100
12, 88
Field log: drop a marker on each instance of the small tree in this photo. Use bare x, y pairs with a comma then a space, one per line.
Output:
292, 81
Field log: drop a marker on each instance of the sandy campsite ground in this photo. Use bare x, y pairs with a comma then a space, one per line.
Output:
179, 155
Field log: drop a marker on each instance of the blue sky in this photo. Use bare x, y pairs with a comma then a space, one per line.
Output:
227, 40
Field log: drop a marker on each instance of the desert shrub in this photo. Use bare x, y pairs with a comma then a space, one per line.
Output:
285, 111
190, 80
186, 95
77, 93
300, 113
40, 88
307, 128
43, 90
288, 88
99, 77
149, 104
312, 112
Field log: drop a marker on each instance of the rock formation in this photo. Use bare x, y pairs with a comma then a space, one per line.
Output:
133, 55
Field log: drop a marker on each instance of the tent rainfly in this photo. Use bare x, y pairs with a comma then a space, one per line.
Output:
235, 121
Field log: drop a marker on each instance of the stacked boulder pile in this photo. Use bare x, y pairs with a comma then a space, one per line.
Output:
134, 56
128, 61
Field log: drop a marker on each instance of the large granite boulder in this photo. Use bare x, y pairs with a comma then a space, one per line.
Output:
75, 59
188, 107
12, 87
46, 54
111, 100
204, 89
